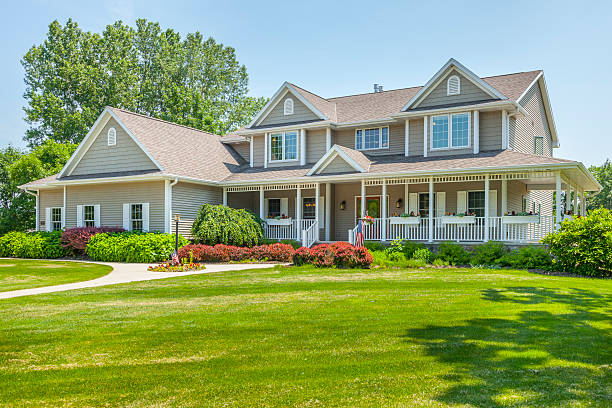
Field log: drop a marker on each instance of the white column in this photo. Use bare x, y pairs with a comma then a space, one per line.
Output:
568, 195
424, 136
298, 212
64, 210
328, 143
251, 151
302, 147
328, 203
383, 212
504, 196
431, 209
317, 203
37, 210
486, 222
225, 196
558, 200
406, 137
583, 205
476, 132
406, 198
261, 203
266, 151
167, 211
575, 211
504, 128
363, 199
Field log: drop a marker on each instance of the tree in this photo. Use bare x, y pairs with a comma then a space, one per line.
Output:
603, 174
74, 74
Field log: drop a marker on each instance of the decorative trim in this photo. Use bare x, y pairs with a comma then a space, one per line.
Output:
331, 155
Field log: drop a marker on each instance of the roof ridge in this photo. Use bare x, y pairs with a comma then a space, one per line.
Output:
512, 73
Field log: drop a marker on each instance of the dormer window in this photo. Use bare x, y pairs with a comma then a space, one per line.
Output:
111, 137
453, 86
288, 106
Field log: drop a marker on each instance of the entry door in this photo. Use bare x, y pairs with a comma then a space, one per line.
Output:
372, 207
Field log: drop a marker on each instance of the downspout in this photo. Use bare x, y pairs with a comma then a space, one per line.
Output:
36, 216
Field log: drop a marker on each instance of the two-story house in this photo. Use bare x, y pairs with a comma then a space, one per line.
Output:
458, 153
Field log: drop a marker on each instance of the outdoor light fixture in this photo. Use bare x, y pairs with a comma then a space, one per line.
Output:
343, 205
398, 203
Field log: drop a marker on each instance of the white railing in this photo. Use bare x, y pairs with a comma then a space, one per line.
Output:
474, 232
309, 235
292, 231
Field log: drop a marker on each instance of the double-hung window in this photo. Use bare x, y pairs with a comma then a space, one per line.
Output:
283, 146
89, 216
136, 219
450, 131
370, 139
538, 145
476, 203
274, 207
56, 219
424, 204
309, 208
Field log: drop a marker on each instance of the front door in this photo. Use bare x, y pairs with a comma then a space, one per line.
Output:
372, 207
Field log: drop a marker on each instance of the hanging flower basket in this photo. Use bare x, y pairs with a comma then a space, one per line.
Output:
367, 220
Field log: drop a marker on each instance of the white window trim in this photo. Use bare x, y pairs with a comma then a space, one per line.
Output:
94, 214
363, 130
286, 111
450, 132
302, 207
111, 140
448, 91
50, 228
297, 147
535, 138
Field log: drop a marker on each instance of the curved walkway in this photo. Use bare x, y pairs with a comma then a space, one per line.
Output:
126, 272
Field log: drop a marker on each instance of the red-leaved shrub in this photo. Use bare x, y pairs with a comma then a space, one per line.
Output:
339, 254
76, 239
226, 253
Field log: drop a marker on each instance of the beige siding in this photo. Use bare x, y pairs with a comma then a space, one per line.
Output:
49, 199
416, 137
524, 129
112, 196
338, 165
315, 145
490, 131
187, 199
346, 137
300, 113
243, 149
124, 156
469, 93
258, 151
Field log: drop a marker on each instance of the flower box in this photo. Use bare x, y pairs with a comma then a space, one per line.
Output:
456, 219
520, 219
282, 221
405, 220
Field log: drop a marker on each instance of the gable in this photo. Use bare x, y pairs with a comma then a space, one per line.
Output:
338, 165
276, 114
126, 155
469, 92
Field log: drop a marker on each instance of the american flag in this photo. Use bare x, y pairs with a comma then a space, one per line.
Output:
359, 240
175, 258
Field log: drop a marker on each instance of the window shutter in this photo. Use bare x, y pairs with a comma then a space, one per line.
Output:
266, 208
413, 202
79, 215
492, 203
440, 203
461, 201
145, 216
284, 206
126, 217
48, 219
63, 217
321, 211
97, 215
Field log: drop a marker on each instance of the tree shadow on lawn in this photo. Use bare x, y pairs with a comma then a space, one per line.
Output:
537, 358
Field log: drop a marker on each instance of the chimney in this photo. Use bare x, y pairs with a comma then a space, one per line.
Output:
378, 88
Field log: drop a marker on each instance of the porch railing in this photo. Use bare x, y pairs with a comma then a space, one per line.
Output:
292, 231
309, 235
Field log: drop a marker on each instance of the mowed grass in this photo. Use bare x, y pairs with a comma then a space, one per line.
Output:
309, 338
24, 273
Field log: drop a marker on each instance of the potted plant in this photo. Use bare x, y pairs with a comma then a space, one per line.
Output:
367, 220
464, 218
279, 220
406, 219
522, 217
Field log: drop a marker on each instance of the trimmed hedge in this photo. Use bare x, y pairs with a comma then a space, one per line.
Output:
75, 239
40, 244
140, 247
219, 224
225, 253
338, 254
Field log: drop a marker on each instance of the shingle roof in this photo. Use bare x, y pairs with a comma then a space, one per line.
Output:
325, 106
359, 158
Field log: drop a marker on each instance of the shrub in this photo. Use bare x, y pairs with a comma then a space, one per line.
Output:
40, 244
132, 246
422, 254
225, 253
528, 257
219, 224
75, 239
488, 254
584, 245
294, 244
339, 254
453, 253
374, 246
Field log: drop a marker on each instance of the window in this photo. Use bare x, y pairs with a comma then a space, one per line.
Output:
450, 131
288, 107
274, 207
89, 216
112, 137
424, 204
283, 146
56, 219
476, 203
538, 145
369, 139
453, 86
309, 208
136, 217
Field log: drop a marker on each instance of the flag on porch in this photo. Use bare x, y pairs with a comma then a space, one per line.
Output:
359, 240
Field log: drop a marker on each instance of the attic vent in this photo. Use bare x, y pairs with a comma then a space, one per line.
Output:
112, 137
453, 86
288, 106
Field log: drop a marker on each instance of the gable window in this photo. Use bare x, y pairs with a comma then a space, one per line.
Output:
89, 216
56, 219
538, 145
111, 137
476, 203
370, 139
283, 146
453, 86
309, 208
288, 106
136, 217
450, 131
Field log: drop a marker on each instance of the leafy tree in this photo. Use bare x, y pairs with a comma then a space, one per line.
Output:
74, 74
12, 200
603, 174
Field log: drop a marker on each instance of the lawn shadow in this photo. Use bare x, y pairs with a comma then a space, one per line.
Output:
537, 358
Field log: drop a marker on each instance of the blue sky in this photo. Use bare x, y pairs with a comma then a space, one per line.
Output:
339, 48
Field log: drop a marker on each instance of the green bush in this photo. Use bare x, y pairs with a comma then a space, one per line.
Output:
488, 254
422, 254
528, 257
132, 247
395, 259
374, 246
584, 245
33, 245
219, 224
453, 253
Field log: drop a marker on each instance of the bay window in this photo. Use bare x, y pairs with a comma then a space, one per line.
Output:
369, 139
283, 146
450, 131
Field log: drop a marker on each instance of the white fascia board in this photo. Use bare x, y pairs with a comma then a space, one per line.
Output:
329, 156
438, 76
285, 128
462, 108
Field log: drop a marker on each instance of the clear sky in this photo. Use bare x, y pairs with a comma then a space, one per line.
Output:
337, 48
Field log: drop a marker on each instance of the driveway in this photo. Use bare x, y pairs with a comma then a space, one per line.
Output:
126, 272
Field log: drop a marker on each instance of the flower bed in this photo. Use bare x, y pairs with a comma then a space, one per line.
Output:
227, 253
339, 254
170, 267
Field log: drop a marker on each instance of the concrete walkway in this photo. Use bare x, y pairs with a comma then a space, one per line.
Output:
126, 272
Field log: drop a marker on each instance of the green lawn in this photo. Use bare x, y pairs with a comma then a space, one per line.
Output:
309, 338
23, 273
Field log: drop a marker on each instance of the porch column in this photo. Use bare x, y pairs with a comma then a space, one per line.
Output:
486, 221
261, 203
583, 205
406, 198
298, 212
266, 150
328, 143
406, 137
476, 132
317, 203
363, 197
568, 196
424, 136
225, 196
327, 211
575, 209
251, 151
302, 147
383, 213
504, 197
431, 210
558, 201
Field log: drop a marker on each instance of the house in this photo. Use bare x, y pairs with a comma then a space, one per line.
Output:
460, 152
